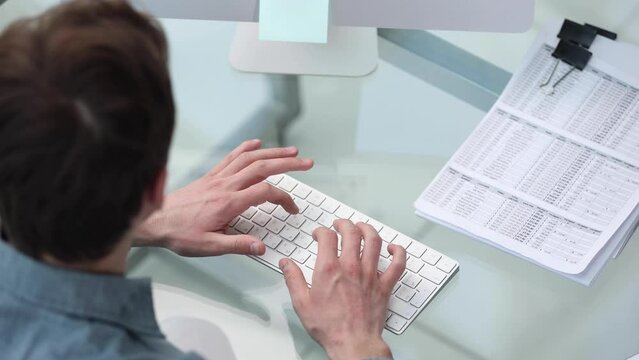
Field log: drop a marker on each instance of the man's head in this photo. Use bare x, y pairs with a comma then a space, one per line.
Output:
86, 117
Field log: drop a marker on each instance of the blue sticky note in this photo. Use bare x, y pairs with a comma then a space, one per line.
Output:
294, 20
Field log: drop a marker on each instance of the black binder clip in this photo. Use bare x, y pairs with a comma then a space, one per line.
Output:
602, 32
571, 54
575, 40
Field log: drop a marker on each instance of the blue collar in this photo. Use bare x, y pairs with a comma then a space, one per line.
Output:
113, 299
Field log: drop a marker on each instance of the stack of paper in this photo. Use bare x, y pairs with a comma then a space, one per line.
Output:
552, 178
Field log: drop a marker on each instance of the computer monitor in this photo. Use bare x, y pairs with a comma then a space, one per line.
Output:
352, 42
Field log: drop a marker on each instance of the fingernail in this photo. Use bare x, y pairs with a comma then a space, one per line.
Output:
255, 248
282, 264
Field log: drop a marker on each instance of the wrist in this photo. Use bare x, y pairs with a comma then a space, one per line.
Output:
348, 349
150, 232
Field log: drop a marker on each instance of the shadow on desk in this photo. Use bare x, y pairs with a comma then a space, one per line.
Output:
214, 284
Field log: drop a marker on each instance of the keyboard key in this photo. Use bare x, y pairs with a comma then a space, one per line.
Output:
446, 264
286, 248
261, 219
313, 247
330, 205
267, 207
302, 191
300, 255
383, 264
414, 264
301, 204
287, 184
419, 299
433, 274
308, 274
402, 241
275, 226
296, 220
248, 213
309, 226
316, 198
411, 280
395, 287
431, 256
271, 240
339, 241
405, 293
303, 240
310, 263
231, 231
426, 287
357, 218
375, 224
258, 232
344, 212
396, 323
326, 220
271, 256
384, 250
280, 213
313, 213
401, 307
416, 249
387, 234
289, 233
234, 221
275, 179
243, 226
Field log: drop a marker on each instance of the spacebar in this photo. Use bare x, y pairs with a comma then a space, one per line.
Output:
272, 257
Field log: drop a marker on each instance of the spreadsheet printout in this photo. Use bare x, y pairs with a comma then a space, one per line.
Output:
591, 104
550, 177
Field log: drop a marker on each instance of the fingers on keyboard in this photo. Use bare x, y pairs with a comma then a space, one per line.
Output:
413, 272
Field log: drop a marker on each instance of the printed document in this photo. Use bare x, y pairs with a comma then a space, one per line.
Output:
553, 178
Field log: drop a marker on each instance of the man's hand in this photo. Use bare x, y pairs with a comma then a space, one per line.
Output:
193, 220
346, 308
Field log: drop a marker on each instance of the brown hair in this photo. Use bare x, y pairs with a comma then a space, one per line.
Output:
86, 117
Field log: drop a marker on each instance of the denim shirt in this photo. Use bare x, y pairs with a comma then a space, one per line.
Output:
52, 313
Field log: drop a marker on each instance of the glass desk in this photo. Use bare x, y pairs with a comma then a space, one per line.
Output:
377, 142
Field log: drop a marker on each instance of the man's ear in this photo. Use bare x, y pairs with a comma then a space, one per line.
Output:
155, 193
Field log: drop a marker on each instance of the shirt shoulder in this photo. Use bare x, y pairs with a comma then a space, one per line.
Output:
28, 331
55, 313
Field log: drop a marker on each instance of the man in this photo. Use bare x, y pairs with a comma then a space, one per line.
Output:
86, 117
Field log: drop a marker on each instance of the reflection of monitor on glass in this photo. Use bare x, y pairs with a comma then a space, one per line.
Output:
352, 43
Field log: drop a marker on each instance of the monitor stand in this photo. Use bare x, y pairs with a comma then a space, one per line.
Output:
350, 51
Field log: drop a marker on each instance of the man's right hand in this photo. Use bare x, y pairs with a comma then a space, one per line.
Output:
346, 308
194, 219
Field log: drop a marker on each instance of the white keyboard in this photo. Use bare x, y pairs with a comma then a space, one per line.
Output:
285, 235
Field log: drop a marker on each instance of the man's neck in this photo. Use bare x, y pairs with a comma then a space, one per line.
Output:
114, 263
